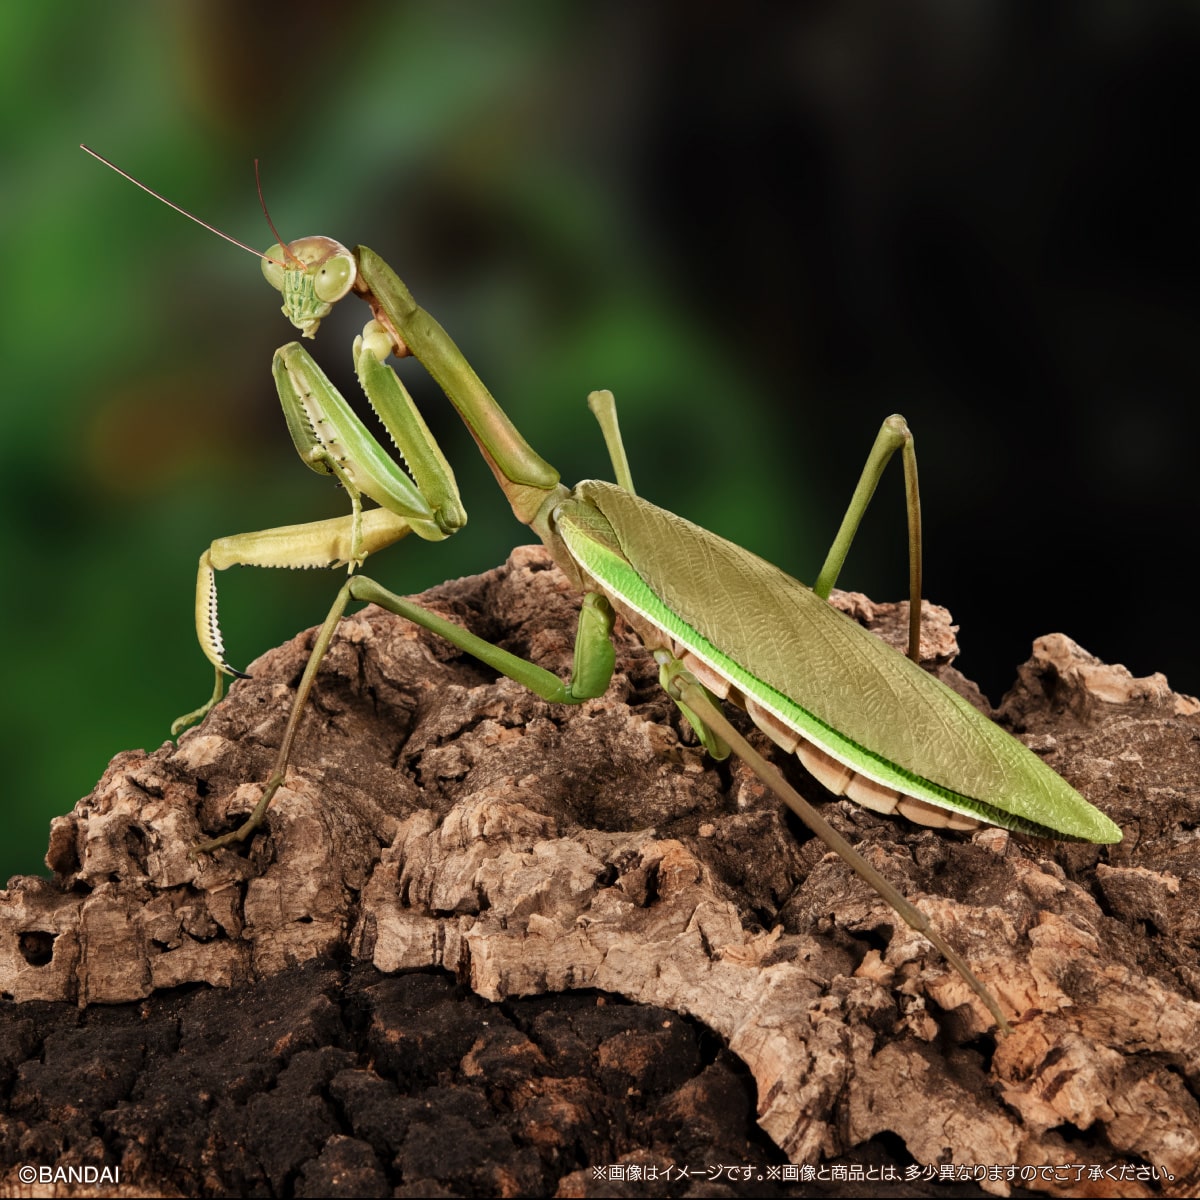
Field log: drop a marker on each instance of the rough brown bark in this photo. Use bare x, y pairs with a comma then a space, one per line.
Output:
437, 816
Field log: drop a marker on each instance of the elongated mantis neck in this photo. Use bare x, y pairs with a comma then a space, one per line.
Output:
523, 475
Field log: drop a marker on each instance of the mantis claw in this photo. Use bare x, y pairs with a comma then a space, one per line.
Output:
198, 714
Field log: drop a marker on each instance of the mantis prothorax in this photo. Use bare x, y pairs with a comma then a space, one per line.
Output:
722, 624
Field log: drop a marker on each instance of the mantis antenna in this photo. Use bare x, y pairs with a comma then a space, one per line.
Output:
271, 224
192, 216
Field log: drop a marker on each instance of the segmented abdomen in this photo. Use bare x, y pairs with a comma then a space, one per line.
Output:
831, 773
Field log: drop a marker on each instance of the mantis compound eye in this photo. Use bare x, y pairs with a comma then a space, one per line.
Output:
271, 268
332, 279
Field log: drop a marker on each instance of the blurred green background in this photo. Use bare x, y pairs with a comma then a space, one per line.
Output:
764, 234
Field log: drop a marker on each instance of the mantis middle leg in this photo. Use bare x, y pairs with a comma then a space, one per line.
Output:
593, 668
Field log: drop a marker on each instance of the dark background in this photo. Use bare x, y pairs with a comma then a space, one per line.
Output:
765, 232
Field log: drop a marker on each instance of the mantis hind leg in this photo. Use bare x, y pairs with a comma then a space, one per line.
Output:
683, 687
604, 409
893, 435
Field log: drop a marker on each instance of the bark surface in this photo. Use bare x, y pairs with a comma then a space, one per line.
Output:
437, 817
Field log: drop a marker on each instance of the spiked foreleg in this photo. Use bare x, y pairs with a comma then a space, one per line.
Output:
328, 543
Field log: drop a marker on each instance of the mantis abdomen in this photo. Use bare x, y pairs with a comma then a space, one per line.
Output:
865, 720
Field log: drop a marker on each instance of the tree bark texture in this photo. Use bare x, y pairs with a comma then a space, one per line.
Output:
438, 816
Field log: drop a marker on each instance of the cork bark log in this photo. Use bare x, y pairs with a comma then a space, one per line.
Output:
439, 816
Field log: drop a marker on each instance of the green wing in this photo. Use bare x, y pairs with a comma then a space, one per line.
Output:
816, 669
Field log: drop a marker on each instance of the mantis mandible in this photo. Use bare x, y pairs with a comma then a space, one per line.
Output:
721, 623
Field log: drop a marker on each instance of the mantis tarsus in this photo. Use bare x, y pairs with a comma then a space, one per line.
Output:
720, 622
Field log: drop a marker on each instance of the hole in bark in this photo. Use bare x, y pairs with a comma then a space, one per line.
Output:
135, 845
894, 1147
1072, 1133
873, 939
37, 947
797, 827
651, 886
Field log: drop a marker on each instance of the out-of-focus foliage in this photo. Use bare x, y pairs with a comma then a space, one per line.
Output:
764, 233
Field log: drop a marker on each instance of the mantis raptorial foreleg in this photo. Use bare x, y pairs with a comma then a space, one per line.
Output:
331, 440
334, 542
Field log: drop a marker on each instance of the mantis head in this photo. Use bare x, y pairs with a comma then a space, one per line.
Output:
313, 273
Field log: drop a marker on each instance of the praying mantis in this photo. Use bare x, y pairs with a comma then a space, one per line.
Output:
721, 623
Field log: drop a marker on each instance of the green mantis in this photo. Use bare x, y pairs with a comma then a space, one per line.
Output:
721, 623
